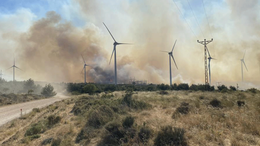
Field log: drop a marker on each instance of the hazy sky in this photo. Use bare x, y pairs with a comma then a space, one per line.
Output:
47, 38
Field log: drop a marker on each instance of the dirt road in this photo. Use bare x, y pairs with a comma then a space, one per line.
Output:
8, 113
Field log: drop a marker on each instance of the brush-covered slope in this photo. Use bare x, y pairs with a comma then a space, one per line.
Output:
170, 118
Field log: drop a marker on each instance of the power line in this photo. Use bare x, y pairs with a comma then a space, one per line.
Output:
207, 18
195, 18
184, 17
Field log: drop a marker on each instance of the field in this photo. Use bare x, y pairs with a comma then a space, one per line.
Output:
142, 118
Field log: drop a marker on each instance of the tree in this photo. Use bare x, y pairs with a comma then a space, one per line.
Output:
90, 89
29, 85
48, 91
30, 92
232, 88
5, 89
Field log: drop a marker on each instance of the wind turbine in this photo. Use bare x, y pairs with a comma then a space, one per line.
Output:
1, 75
243, 62
14, 66
114, 52
171, 56
84, 67
209, 66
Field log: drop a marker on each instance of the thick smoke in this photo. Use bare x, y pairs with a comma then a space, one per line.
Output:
51, 48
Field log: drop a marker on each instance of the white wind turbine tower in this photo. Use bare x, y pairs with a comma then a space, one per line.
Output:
1, 74
243, 62
171, 56
84, 68
209, 66
14, 66
114, 52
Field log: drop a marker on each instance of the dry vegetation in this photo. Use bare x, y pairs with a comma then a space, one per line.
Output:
142, 118
7, 99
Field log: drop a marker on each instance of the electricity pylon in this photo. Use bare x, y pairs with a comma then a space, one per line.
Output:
205, 42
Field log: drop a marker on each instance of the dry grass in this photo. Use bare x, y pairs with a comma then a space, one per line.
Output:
203, 124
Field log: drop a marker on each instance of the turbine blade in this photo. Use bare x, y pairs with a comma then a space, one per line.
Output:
124, 44
165, 51
174, 61
109, 32
17, 67
9, 68
244, 55
111, 55
82, 70
174, 45
245, 64
83, 59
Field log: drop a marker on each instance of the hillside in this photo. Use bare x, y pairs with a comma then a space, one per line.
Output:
142, 118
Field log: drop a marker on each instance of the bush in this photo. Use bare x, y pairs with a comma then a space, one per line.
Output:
107, 95
34, 136
90, 89
56, 142
128, 121
222, 87
163, 92
35, 129
115, 135
37, 110
252, 90
100, 117
85, 135
215, 103
144, 134
232, 88
47, 141
183, 109
163, 87
130, 102
29, 85
183, 86
169, 137
48, 91
52, 120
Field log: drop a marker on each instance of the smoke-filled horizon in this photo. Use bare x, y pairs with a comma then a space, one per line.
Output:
48, 44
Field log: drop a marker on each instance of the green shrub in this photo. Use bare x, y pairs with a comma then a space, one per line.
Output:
37, 110
130, 102
252, 90
56, 142
128, 121
85, 134
34, 136
90, 89
232, 88
163, 92
163, 87
36, 128
107, 96
48, 91
52, 120
183, 86
222, 87
169, 137
46, 141
115, 136
144, 134
183, 108
215, 103
100, 117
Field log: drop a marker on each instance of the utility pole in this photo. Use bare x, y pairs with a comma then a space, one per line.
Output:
204, 43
